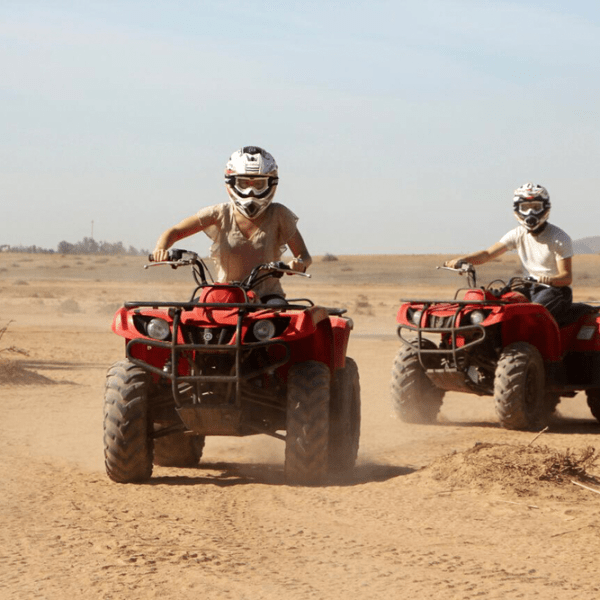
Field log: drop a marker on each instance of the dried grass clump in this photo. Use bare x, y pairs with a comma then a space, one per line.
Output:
11, 371
564, 466
10, 349
329, 257
362, 306
70, 306
523, 469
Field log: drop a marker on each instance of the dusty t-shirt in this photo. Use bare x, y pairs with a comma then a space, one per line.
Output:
236, 255
539, 253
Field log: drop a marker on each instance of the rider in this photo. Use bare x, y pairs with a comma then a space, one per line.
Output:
545, 250
250, 229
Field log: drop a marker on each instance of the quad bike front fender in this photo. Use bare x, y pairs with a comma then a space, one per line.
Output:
327, 343
533, 324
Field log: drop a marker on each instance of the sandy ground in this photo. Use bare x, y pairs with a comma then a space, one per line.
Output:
453, 510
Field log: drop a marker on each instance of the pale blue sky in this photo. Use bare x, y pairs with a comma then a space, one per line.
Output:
398, 127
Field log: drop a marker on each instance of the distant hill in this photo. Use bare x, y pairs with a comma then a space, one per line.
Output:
587, 245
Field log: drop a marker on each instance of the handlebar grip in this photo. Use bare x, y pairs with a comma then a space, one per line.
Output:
150, 257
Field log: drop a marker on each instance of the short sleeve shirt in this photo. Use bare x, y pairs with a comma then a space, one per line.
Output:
236, 255
539, 253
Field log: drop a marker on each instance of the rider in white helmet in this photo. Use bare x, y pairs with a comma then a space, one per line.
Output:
251, 179
545, 250
250, 229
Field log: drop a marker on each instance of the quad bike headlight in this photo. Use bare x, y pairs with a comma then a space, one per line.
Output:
477, 316
158, 329
263, 330
416, 317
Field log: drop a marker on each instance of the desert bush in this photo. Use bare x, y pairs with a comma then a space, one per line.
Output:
13, 372
8, 368
362, 306
70, 306
329, 257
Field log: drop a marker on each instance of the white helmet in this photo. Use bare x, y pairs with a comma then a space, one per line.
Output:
531, 204
251, 179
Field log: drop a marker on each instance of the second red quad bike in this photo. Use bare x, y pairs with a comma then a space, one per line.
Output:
224, 363
492, 341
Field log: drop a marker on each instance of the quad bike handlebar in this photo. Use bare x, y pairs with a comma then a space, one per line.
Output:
180, 258
465, 268
177, 258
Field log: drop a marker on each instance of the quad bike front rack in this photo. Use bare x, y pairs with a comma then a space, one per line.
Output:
446, 325
225, 416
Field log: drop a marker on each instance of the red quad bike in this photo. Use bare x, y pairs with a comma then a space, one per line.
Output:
495, 342
226, 364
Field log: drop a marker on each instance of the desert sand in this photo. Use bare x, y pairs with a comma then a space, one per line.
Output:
458, 510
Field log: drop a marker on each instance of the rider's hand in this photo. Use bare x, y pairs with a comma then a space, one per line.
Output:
453, 264
160, 255
545, 279
297, 265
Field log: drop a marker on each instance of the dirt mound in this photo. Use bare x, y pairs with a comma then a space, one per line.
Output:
524, 469
13, 373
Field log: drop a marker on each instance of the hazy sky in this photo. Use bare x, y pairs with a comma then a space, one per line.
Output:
398, 126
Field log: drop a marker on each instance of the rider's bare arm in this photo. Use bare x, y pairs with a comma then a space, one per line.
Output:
302, 259
185, 228
479, 258
565, 274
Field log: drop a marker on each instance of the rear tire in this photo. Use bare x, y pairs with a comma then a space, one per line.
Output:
178, 450
593, 401
519, 393
415, 398
306, 441
344, 418
127, 444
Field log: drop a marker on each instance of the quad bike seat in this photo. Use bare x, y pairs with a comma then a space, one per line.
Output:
576, 311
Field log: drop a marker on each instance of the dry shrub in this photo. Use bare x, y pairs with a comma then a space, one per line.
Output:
564, 466
70, 306
521, 468
362, 306
329, 257
12, 372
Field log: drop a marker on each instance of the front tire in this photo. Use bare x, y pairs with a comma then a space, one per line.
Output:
306, 441
593, 401
415, 399
127, 443
344, 418
519, 393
